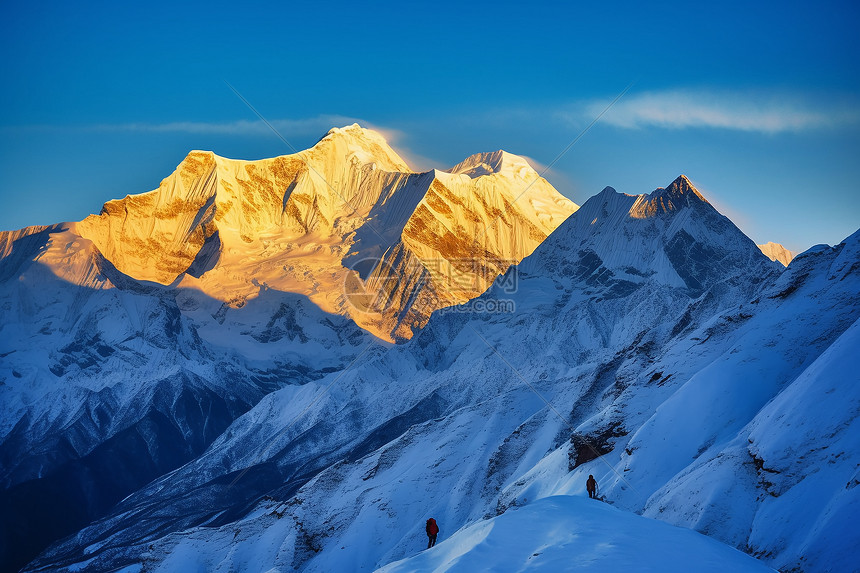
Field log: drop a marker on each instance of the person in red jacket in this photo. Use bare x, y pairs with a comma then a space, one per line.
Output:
432, 532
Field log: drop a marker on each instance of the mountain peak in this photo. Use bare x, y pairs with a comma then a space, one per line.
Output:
671, 236
683, 181
682, 186
679, 194
366, 145
353, 130
489, 163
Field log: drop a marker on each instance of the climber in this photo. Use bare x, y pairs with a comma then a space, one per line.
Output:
432, 532
591, 486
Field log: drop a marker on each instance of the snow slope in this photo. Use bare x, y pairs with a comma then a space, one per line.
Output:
566, 533
650, 344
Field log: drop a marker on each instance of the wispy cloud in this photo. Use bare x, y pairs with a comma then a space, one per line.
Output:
315, 126
305, 126
296, 127
753, 112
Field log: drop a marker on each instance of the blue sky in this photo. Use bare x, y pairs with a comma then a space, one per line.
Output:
758, 105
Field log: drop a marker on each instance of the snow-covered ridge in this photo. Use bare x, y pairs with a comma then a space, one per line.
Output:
564, 533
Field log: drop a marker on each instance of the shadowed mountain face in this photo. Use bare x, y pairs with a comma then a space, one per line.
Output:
111, 388
79, 488
195, 377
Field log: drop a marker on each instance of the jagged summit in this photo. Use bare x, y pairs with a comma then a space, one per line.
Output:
663, 200
679, 194
683, 186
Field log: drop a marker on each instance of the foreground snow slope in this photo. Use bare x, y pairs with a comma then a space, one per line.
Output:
661, 337
802, 448
565, 533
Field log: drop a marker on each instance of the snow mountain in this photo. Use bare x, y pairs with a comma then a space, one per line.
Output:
646, 341
346, 212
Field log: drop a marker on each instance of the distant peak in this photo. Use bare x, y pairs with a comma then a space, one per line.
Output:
777, 253
489, 163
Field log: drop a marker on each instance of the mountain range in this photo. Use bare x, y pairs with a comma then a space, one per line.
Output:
291, 363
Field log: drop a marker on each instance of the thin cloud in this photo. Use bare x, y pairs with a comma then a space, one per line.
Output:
546, 172
561, 180
683, 109
318, 126
396, 139
306, 126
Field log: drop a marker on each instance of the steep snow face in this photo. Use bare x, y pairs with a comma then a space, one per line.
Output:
776, 252
108, 383
780, 477
468, 229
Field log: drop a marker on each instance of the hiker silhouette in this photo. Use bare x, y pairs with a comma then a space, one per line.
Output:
432, 531
591, 486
